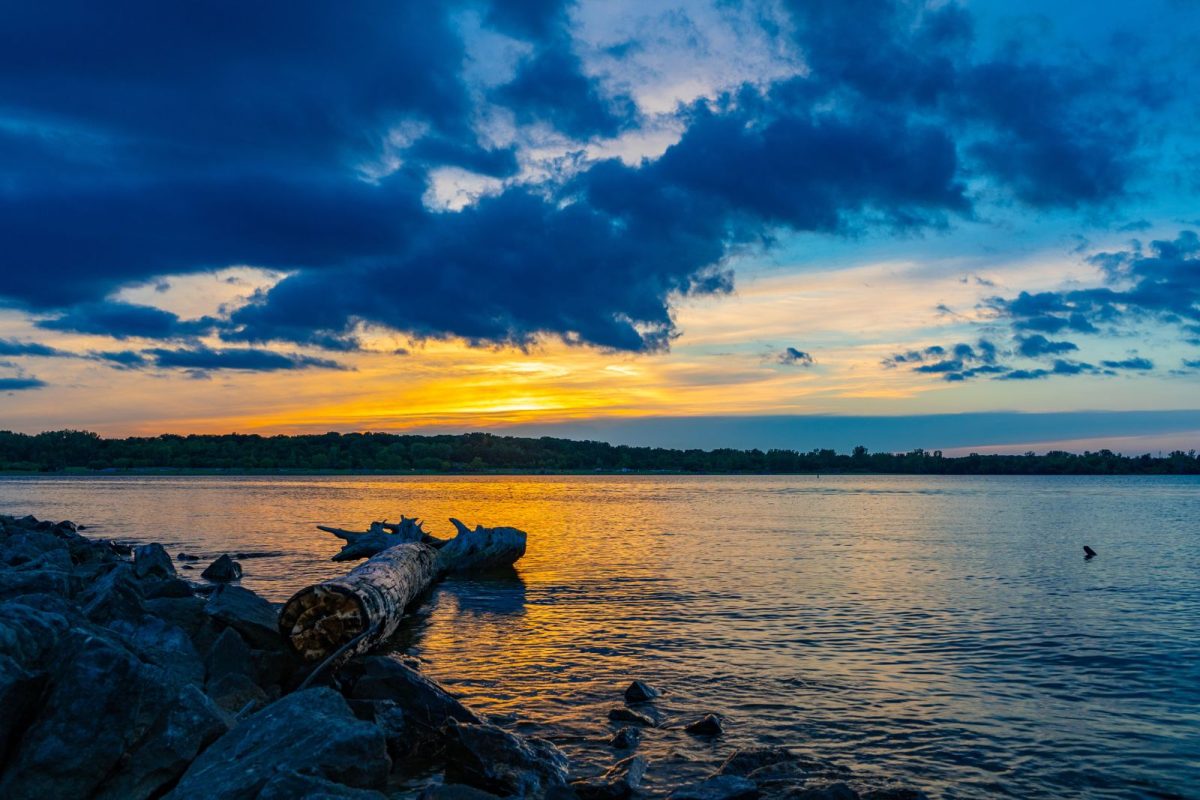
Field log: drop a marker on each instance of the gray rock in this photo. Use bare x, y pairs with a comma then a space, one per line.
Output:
708, 725
720, 787
425, 704
34, 548
164, 644
188, 614
224, 569
172, 587
640, 692
311, 732
618, 783
116, 594
389, 717
28, 637
189, 725
251, 616
503, 763
152, 561
629, 715
626, 739
293, 785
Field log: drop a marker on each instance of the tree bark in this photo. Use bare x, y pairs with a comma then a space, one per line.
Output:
363, 608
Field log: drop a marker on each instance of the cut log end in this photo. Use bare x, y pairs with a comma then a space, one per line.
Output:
319, 619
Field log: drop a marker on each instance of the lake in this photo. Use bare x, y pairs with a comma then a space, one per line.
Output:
944, 631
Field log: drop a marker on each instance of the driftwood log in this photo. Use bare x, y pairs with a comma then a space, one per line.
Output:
350, 614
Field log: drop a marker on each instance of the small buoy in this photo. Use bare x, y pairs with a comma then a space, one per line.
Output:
1088, 552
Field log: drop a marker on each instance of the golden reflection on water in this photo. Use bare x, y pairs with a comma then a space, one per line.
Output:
937, 629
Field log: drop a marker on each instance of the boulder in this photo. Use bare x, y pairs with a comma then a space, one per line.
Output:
426, 705
779, 769
235, 693
171, 587
312, 732
618, 783
223, 570
708, 725
152, 561
292, 785
34, 547
164, 644
503, 763
228, 655
189, 725
116, 594
621, 714
28, 637
100, 701
719, 787
251, 616
626, 739
640, 692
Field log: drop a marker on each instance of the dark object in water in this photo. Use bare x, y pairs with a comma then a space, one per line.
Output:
1088, 552
708, 725
186, 557
629, 715
223, 569
640, 692
626, 739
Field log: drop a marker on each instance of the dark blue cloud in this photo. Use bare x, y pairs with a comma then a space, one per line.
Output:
247, 359
19, 384
12, 347
1142, 364
121, 359
796, 357
123, 320
1037, 345
147, 139
1060, 367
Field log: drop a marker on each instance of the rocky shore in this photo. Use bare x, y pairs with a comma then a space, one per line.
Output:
121, 679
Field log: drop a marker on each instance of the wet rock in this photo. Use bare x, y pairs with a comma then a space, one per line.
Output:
720, 787
247, 613
402, 740
223, 570
639, 692
188, 614
29, 634
619, 782
29, 548
828, 791
186, 557
293, 785
33, 580
426, 704
708, 725
629, 715
312, 732
626, 739
189, 725
500, 762
152, 561
777, 769
454, 791
746, 761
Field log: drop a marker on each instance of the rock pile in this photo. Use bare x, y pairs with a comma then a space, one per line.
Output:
119, 679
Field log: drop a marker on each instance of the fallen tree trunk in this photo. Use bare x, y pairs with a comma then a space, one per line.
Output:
356, 611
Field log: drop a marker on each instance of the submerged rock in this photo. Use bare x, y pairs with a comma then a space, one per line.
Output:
708, 725
827, 791
618, 783
629, 715
500, 762
152, 561
186, 557
640, 692
626, 739
312, 732
720, 787
223, 570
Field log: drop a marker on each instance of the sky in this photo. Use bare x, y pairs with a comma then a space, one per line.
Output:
799, 223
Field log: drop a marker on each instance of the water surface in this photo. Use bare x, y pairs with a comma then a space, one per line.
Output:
945, 631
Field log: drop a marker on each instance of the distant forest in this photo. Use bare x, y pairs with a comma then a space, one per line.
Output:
59, 451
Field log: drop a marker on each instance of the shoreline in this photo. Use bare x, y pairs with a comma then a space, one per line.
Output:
123, 679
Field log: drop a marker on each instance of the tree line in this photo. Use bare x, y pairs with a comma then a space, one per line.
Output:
69, 450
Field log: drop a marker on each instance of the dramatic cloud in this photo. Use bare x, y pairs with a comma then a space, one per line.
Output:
166, 140
796, 357
245, 359
1037, 345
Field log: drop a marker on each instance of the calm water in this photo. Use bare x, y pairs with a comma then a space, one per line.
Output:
945, 631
